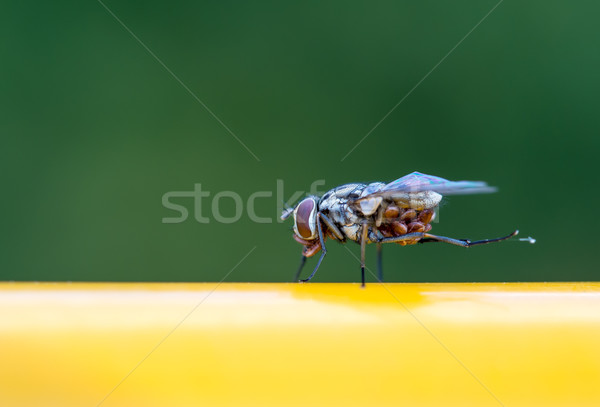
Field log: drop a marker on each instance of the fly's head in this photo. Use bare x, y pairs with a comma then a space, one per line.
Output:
305, 219
305, 225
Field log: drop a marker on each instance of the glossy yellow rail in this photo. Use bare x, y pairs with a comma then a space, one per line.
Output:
205, 344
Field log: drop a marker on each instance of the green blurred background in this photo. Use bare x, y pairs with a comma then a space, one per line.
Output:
94, 132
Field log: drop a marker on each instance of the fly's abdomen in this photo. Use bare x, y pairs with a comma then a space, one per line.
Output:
394, 221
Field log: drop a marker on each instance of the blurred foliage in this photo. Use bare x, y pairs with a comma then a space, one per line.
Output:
94, 132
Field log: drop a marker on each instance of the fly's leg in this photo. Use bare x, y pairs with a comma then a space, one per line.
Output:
402, 238
379, 262
363, 244
323, 253
426, 237
331, 226
498, 239
464, 242
302, 263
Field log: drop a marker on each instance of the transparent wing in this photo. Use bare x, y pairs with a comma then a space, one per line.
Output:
417, 181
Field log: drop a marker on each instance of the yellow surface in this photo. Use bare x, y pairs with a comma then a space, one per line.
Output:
299, 344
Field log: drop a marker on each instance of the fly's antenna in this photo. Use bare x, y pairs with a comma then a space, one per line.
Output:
287, 211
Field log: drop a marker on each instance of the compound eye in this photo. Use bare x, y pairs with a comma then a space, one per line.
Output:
305, 217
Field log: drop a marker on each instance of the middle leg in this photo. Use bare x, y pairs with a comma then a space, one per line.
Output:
363, 244
379, 263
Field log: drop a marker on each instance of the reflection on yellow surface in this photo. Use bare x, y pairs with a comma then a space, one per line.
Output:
233, 344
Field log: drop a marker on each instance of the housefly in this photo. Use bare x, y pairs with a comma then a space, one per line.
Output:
400, 212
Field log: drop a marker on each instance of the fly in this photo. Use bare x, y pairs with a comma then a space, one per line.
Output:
399, 212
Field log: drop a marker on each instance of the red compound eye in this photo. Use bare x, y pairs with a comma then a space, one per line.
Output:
304, 212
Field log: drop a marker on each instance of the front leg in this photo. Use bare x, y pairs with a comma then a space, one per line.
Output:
302, 262
337, 233
323, 253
